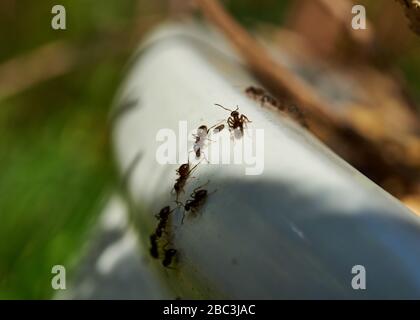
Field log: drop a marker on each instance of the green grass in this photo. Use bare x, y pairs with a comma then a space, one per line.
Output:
55, 159
56, 172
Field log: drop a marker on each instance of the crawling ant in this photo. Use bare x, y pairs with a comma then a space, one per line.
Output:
154, 252
169, 254
254, 92
184, 172
162, 216
198, 197
267, 99
292, 110
262, 96
235, 120
297, 114
164, 213
202, 135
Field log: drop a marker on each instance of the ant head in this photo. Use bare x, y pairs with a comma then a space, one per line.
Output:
235, 112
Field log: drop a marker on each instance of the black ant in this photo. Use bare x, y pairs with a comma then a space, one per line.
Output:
184, 172
265, 99
169, 254
198, 197
235, 120
162, 216
154, 252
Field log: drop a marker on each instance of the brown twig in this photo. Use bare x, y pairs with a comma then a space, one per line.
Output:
276, 76
61, 57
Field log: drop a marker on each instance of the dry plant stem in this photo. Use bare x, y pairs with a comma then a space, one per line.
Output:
41, 64
276, 76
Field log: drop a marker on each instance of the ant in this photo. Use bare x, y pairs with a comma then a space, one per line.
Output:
235, 120
169, 254
154, 252
202, 135
255, 92
162, 216
198, 197
184, 172
291, 110
267, 99
261, 95
298, 115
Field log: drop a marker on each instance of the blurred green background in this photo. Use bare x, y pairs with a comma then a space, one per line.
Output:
55, 158
54, 150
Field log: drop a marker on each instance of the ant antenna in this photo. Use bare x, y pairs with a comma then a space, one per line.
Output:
219, 105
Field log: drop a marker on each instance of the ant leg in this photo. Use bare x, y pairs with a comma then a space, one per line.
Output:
230, 122
195, 190
168, 267
205, 158
245, 119
214, 191
194, 167
180, 204
166, 244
